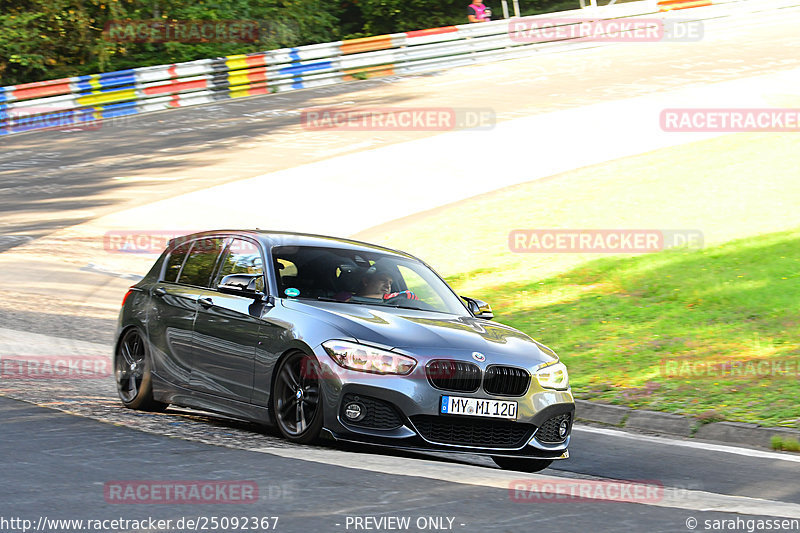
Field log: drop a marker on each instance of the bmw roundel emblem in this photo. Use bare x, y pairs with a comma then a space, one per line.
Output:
478, 356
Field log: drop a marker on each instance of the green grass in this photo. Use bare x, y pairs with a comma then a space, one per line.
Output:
709, 333
628, 326
786, 444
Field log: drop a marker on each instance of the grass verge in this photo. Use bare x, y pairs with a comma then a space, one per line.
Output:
708, 333
691, 333
785, 444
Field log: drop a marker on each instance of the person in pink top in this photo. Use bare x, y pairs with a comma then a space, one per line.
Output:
478, 12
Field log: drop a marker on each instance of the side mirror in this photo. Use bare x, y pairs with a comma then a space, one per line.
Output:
241, 285
479, 308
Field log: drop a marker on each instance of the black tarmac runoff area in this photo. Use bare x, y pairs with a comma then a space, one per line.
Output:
70, 473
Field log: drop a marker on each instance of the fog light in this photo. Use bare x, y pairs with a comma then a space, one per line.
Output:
354, 411
563, 428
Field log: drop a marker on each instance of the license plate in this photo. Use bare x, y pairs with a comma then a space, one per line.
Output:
457, 405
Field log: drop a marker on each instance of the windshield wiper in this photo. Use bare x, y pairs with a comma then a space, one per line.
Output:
418, 309
397, 306
327, 299
378, 303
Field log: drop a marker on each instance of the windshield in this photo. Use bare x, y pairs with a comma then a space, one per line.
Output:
358, 277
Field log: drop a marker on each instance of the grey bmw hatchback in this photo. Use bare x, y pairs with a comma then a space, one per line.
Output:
327, 337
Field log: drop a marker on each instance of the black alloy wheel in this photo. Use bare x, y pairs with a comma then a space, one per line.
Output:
296, 398
132, 373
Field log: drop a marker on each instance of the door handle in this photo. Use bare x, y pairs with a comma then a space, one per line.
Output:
205, 302
161, 291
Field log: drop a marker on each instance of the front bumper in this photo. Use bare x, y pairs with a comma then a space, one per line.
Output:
418, 425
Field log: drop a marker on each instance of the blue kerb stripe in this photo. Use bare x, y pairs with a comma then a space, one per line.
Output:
3, 97
117, 80
84, 86
294, 54
85, 115
117, 105
110, 83
119, 110
105, 75
300, 69
297, 84
118, 74
107, 111
89, 91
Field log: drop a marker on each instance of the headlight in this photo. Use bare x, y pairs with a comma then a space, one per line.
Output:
553, 376
367, 359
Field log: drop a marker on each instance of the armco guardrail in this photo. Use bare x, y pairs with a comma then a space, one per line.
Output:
85, 100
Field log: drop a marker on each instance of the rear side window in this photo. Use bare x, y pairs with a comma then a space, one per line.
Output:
201, 262
175, 261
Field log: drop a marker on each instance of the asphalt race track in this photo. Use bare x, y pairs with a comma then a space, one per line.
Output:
65, 441
306, 496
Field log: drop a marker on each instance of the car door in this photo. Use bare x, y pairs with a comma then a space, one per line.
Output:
170, 320
226, 329
276, 334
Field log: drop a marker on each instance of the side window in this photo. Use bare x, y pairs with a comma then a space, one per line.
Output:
420, 287
175, 261
201, 262
242, 257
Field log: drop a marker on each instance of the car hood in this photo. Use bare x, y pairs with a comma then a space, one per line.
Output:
426, 332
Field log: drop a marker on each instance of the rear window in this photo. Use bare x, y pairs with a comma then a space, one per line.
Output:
201, 262
175, 261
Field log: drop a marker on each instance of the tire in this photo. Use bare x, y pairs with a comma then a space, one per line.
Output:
296, 398
522, 464
132, 366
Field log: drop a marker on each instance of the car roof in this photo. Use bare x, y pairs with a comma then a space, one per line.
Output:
288, 238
